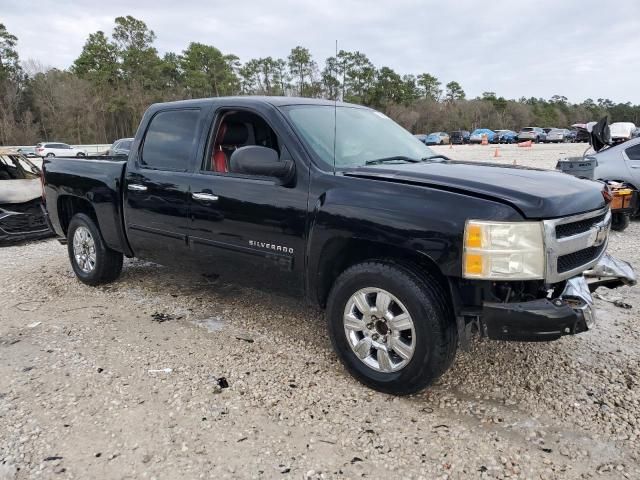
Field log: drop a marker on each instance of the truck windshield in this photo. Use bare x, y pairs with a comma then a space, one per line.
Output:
362, 136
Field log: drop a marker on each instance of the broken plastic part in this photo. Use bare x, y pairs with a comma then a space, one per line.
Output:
610, 272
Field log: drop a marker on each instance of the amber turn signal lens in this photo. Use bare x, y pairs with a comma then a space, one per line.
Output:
473, 264
474, 236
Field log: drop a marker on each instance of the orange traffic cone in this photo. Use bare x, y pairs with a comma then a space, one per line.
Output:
496, 154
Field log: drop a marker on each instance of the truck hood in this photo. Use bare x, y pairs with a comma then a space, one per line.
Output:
536, 194
19, 191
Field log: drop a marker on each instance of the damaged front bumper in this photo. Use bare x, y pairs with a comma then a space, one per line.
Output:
550, 318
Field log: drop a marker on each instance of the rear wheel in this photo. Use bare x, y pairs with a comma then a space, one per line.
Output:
80, 154
392, 329
50, 155
92, 261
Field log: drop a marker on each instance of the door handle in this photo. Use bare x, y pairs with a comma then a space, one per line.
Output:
136, 188
204, 196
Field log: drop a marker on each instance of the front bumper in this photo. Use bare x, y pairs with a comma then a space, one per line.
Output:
547, 319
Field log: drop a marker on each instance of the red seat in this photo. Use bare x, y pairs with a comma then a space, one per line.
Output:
219, 158
220, 161
230, 136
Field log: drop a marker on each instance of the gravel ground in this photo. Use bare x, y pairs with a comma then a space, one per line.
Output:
235, 383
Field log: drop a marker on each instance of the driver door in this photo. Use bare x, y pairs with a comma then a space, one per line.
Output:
247, 228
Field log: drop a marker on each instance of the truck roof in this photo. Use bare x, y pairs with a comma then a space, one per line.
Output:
253, 99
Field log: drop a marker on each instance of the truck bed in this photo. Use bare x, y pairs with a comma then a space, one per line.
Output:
96, 182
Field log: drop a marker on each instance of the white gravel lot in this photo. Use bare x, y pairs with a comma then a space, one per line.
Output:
79, 397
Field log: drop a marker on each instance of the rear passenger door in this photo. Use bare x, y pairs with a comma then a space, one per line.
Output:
156, 187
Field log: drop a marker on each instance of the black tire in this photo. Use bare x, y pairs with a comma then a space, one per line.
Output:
425, 300
50, 154
80, 154
108, 263
620, 221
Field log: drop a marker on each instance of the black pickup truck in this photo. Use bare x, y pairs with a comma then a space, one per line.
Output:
408, 251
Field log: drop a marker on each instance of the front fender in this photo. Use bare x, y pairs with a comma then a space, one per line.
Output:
415, 219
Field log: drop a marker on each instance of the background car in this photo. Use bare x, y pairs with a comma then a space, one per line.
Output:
620, 162
29, 152
459, 137
437, 138
558, 135
535, 134
571, 135
55, 149
621, 131
476, 135
22, 214
636, 133
505, 136
120, 147
420, 136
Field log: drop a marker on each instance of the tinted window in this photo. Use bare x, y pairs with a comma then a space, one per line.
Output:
633, 152
170, 139
126, 144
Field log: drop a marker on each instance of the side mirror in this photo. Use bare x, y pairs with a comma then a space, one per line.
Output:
262, 161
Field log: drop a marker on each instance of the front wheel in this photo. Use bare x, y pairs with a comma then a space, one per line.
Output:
92, 261
392, 329
620, 221
49, 155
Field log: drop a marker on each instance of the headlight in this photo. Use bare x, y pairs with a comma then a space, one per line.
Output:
503, 250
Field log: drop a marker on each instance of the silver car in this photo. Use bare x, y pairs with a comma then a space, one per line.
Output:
620, 162
557, 135
535, 134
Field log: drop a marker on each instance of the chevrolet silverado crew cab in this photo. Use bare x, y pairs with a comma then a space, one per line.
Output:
407, 251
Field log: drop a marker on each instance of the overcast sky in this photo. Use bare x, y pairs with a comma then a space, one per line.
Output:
579, 48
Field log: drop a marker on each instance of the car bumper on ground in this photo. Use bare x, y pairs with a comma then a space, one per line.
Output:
546, 319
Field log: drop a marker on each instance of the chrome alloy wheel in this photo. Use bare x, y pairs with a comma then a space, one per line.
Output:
379, 330
84, 249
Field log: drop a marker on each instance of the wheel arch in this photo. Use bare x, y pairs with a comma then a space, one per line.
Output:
339, 254
70, 205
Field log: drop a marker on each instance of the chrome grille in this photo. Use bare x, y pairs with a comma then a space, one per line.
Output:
581, 226
577, 259
574, 244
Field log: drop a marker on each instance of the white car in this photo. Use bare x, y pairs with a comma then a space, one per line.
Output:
621, 131
54, 149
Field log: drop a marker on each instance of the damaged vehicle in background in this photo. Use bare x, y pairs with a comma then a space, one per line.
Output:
613, 164
22, 214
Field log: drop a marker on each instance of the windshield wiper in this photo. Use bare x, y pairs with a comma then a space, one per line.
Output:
433, 157
396, 158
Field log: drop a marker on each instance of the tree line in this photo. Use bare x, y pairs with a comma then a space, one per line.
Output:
103, 94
